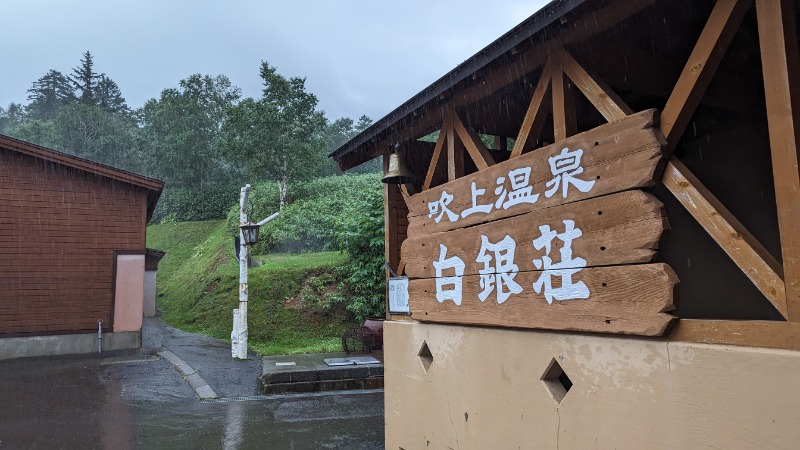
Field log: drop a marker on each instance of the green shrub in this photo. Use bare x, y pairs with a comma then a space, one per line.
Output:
195, 204
360, 232
309, 221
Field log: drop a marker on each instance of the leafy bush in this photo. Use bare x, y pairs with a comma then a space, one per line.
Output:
194, 204
334, 213
360, 232
309, 221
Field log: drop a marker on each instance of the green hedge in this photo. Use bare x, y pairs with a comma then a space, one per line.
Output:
194, 204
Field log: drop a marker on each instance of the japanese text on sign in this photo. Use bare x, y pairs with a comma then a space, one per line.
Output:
564, 167
499, 270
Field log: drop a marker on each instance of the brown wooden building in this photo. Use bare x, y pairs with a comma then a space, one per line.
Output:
72, 237
603, 240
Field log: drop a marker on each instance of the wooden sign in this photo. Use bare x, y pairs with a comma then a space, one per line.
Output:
621, 228
621, 299
614, 157
558, 241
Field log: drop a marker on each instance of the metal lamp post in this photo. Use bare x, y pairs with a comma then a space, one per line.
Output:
248, 236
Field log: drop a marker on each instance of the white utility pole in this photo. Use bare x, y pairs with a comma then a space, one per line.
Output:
239, 334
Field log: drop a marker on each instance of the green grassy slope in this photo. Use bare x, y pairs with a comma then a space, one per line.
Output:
198, 283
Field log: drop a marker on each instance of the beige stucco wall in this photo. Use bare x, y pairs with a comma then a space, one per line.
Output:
129, 293
483, 391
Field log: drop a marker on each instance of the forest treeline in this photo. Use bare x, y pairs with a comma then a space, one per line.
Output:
201, 138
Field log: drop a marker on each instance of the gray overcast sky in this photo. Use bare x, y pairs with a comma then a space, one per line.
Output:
359, 56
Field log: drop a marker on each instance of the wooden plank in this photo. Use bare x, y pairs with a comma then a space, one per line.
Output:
533, 122
781, 68
748, 333
599, 94
701, 66
621, 228
624, 300
565, 122
617, 156
477, 151
744, 249
437, 150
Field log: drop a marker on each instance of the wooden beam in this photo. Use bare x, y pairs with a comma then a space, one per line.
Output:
748, 333
474, 145
594, 23
436, 154
564, 121
743, 248
781, 67
534, 117
701, 66
455, 152
607, 102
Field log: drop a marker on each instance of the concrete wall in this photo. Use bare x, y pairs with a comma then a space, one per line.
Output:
69, 344
129, 293
483, 389
149, 293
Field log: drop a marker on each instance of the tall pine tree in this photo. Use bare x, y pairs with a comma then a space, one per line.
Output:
85, 80
49, 94
108, 96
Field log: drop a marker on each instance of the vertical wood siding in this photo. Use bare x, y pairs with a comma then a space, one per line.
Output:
59, 228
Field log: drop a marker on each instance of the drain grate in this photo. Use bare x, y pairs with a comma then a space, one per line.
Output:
248, 398
128, 360
556, 381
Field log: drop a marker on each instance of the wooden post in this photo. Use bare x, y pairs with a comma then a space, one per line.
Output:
781, 68
391, 250
239, 334
564, 120
455, 152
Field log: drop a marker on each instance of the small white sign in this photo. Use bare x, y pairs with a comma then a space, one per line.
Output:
398, 295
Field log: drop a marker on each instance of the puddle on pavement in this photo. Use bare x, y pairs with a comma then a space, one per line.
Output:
135, 403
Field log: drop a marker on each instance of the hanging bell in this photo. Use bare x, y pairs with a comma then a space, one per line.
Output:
398, 172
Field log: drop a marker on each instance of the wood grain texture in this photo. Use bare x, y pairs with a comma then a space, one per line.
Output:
437, 152
607, 102
618, 156
621, 228
533, 122
781, 68
565, 121
624, 300
748, 333
472, 142
744, 249
701, 66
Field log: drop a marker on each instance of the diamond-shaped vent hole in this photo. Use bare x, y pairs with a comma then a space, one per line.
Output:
425, 356
556, 381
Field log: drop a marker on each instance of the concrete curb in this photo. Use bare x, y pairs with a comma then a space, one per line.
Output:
201, 388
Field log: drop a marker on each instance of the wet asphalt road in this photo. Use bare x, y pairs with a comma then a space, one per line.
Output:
137, 400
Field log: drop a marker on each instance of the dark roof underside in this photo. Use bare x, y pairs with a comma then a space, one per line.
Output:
524, 34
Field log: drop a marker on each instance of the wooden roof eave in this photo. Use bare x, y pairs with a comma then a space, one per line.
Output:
528, 44
359, 150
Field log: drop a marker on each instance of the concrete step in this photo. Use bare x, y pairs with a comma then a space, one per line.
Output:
310, 373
